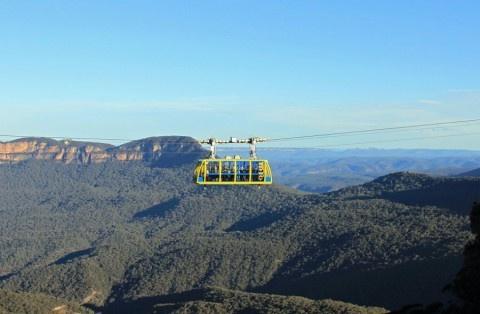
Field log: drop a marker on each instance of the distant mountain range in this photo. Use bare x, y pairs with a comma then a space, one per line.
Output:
114, 232
320, 170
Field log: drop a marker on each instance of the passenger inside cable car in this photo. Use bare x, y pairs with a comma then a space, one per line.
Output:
228, 168
243, 171
232, 171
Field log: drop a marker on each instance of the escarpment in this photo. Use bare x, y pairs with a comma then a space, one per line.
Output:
151, 149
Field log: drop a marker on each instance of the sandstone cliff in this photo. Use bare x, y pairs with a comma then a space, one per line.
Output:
153, 149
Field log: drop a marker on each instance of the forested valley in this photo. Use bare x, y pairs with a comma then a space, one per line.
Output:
117, 236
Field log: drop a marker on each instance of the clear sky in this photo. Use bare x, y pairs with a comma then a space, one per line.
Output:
133, 69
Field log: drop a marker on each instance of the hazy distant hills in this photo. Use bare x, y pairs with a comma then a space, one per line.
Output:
322, 170
115, 232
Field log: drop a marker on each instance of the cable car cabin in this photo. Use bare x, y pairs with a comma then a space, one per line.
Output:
233, 172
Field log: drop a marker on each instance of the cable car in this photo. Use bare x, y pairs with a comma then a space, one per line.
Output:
233, 170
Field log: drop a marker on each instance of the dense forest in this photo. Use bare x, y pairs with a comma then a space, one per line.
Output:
465, 288
112, 233
211, 300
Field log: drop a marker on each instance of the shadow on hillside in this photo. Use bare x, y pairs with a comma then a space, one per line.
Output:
457, 197
5, 277
154, 304
159, 210
421, 280
74, 255
257, 222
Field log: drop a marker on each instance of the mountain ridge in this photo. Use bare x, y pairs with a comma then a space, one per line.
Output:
472, 173
455, 194
152, 149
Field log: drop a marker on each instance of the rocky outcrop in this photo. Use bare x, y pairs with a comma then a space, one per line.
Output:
48, 149
153, 149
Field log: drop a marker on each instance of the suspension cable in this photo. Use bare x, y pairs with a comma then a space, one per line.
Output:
279, 139
404, 127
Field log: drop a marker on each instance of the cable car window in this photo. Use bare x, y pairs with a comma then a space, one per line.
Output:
255, 171
228, 168
243, 169
212, 171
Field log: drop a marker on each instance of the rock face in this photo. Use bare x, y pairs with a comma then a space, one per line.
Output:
153, 149
48, 149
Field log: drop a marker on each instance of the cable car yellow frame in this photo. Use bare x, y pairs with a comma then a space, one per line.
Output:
228, 171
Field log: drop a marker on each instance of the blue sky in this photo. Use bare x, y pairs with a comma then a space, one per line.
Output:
133, 69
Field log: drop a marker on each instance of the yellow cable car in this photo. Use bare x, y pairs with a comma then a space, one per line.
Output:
229, 171
233, 170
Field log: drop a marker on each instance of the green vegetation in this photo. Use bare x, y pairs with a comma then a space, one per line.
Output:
14, 302
118, 231
218, 300
465, 286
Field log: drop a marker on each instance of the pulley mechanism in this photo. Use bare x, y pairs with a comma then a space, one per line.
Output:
233, 140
